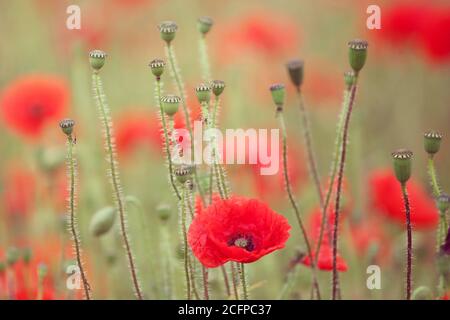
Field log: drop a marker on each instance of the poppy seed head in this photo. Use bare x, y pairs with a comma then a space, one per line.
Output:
295, 69
205, 24
217, 87
157, 66
67, 126
97, 59
168, 30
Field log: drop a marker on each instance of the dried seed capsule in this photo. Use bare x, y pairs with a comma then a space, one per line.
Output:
97, 59
204, 24
402, 164
67, 126
183, 172
170, 104
157, 66
167, 29
295, 69
102, 221
217, 87
357, 54
278, 92
203, 92
432, 142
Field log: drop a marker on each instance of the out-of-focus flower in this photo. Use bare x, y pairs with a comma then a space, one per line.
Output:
435, 35
386, 197
237, 229
32, 102
325, 258
19, 188
262, 33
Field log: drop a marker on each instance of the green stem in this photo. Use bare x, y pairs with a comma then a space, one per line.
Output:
243, 281
73, 224
433, 177
166, 264
115, 181
204, 61
290, 281
409, 242
185, 244
293, 202
166, 139
234, 280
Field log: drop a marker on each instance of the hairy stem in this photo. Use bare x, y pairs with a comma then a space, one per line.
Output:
73, 224
294, 203
433, 177
204, 61
185, 244
114, 175
243, 281
225, 280
409, 244
234, 280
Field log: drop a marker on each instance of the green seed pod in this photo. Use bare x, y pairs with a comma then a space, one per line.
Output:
170, 104
217, 87
164, 211
278, 92
167, 29
26, 255
349, 79
357, 54
157, 66
432, 142
204, 24
402, 164
203, 92
183, 172
102, 221
443, 201
295, 69
97, 59
42, 270
422, 293
67, 126
12, 255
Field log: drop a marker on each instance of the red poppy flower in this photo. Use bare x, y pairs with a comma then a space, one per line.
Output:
386, 197
435, 35
237, 229
32, 102
325, 258
19, 191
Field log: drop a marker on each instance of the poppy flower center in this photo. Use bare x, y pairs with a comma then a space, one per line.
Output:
242, 241
37, 110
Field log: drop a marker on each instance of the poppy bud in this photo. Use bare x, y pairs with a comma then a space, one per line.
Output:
443, 201
217, 87
203, 92
26, 255
295, 69
50, 158
157, 66
42, 270
102, 221
67, 126
402, 164
205, 24
432, 142
278, 93
168, 30
357, 54
97, 59
183, 172
164, 211
12, 255
170, 104
422, 293
350, 79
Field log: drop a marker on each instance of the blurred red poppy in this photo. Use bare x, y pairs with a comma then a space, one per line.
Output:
19, 189
435, 35
325, 258
32, 102
386, 197
237, 229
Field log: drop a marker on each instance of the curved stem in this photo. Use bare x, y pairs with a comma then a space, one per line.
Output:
335, 284
409, 245
166, 139
115, 180
294, 204
73, 224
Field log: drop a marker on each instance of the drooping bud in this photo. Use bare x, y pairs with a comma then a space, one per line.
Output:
402, 164
26, 255
217, 87
204, 24
432, 142
170, 104
203, 92
349, 79
164, 211
183, 172
278, 92
295, 69
422, 293
12, 255
157, 66
443, 201
67, 126
97, 59
357, 54
102, 221
167, 29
